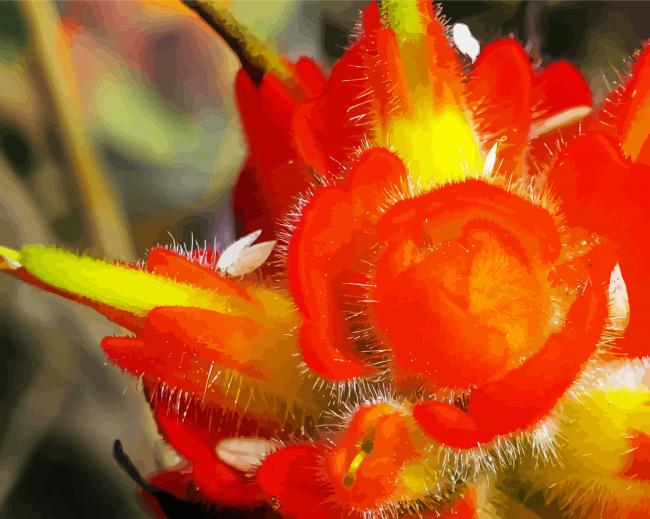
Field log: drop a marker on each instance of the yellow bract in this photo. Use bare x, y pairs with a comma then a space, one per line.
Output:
9, 259
123, 288
595, 447
404, 19
438, 146
431, 132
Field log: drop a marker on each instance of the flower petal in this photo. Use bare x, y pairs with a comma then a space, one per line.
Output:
560, 97
442, 269
196, 441
499, 94
527, 394
290, 478
326, 129
634, 114
364, 467
167, 263
600, 190
274, 174
326, 250
180, 344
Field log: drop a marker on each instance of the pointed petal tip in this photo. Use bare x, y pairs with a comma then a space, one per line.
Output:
9, 259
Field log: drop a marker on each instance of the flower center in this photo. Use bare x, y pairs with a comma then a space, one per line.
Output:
465, 283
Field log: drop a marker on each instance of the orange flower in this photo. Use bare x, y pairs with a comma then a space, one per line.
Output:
436, 301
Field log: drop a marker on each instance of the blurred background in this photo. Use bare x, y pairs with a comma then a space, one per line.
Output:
119, 131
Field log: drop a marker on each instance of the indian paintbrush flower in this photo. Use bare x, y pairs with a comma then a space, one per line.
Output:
438, 300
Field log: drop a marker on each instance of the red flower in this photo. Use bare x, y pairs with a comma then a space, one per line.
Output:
442, 294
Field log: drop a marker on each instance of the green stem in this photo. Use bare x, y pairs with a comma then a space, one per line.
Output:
255, 55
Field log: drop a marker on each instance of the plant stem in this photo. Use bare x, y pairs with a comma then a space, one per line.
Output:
255, 55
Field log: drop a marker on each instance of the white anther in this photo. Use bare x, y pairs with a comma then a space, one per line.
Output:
242, 257
244, 454
465, 41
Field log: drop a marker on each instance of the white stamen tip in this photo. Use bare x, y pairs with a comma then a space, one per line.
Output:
490, 161
244, 454
251, 258
465, 41
619, 302
229, 256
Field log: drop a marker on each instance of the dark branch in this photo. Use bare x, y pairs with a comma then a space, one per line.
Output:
210, 16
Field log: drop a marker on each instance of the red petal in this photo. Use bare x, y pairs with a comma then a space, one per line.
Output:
625, 112
165, 262
444, 67
291, 478
250, 205
310, 77
193, 440
500, 96
634, 115
180, 344
590, 179
372, 482
422, 279
327, 129
176, 482
325, 252
638, 458
371, 20
273, 174
644, 154
527, 394
560, 97
599, 190
463, 508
